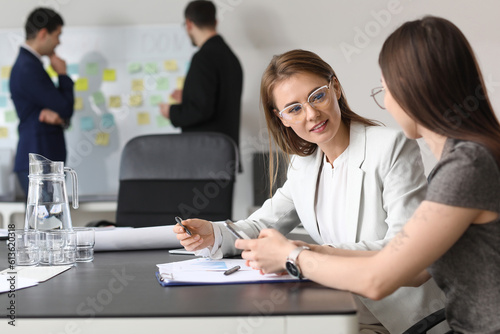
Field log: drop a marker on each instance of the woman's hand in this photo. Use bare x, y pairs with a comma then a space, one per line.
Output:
202, 234
268, 253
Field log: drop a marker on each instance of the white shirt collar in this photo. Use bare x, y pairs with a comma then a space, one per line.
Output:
30, 49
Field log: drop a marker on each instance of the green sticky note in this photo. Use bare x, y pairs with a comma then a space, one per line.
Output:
92, 69
155, 100
134, 68
151, 68
10, 116
162, 84
98, 98
162, 121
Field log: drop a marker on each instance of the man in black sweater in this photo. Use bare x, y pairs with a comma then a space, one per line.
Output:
211, 97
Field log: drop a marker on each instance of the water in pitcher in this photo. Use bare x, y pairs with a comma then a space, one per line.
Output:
50, 216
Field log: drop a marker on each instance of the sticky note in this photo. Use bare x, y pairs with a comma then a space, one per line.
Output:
170, 65
86, 123
162, 121
92, 69
180, 82
162, 84
78, 103
51, 72
10, 116
72, 69
5, 72
102, 139
3, 101
108, 75
4, 132
107, 121
171, 100
115, 101
98, 98
5, 86
137, 84
81, 85
155, 100
135, 100
143, 118
151, 68
134, 68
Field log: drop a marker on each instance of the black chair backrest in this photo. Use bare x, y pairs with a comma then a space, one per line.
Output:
190, 175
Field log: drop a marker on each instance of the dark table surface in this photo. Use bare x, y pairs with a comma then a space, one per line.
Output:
123, 284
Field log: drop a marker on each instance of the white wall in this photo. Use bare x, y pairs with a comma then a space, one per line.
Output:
258, 29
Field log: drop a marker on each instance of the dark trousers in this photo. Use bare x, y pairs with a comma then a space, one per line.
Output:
22, 177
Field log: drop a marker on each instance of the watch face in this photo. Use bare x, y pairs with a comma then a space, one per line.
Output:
292, 269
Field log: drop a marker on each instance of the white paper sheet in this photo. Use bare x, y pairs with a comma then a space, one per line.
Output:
38, 274
7, 283
135, 238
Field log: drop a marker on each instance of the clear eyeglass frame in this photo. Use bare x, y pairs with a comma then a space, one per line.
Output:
298, 117
378, 97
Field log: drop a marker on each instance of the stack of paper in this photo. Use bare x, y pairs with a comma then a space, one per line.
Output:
202, 271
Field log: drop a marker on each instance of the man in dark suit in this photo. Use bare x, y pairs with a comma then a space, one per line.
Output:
44, 109
211, 97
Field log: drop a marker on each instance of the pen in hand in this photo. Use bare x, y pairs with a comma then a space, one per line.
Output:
179, 221
232, 270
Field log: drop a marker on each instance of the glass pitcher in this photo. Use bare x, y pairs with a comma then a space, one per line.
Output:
47, 205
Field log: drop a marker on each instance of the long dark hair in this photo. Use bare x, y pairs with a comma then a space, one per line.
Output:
281, 68
432, 73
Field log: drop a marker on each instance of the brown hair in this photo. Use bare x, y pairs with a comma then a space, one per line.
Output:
432, 73
281, 68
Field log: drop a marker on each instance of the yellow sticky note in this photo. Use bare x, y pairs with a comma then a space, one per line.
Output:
51, 72
81, 85
180, 82
135, 100
4, 132
115, 101
108, 74
78, 103
171, 100
102, 139
170, 65
5, 72
143, 118
137, 84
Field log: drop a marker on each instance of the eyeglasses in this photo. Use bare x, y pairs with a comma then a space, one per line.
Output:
379, 98
295, 113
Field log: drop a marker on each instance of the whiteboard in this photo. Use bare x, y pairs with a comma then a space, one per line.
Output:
120, 74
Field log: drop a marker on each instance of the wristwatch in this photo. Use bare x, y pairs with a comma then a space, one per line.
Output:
291, 262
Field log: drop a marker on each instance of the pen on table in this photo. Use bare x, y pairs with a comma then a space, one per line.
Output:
179, 221
232, 270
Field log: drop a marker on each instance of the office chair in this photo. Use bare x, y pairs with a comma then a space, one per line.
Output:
190, 175
428, 323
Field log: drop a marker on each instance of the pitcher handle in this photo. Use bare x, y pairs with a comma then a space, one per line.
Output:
74, 182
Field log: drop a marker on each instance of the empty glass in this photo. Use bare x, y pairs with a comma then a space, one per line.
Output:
27, 247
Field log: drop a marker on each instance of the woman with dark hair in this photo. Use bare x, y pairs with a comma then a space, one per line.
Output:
434, 89
351, 184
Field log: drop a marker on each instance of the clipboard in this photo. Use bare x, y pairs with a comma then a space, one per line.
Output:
204, 271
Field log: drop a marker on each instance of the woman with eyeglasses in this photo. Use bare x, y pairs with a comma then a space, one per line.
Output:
351, 183
434, 89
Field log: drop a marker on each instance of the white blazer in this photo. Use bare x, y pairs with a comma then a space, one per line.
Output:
386, 183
